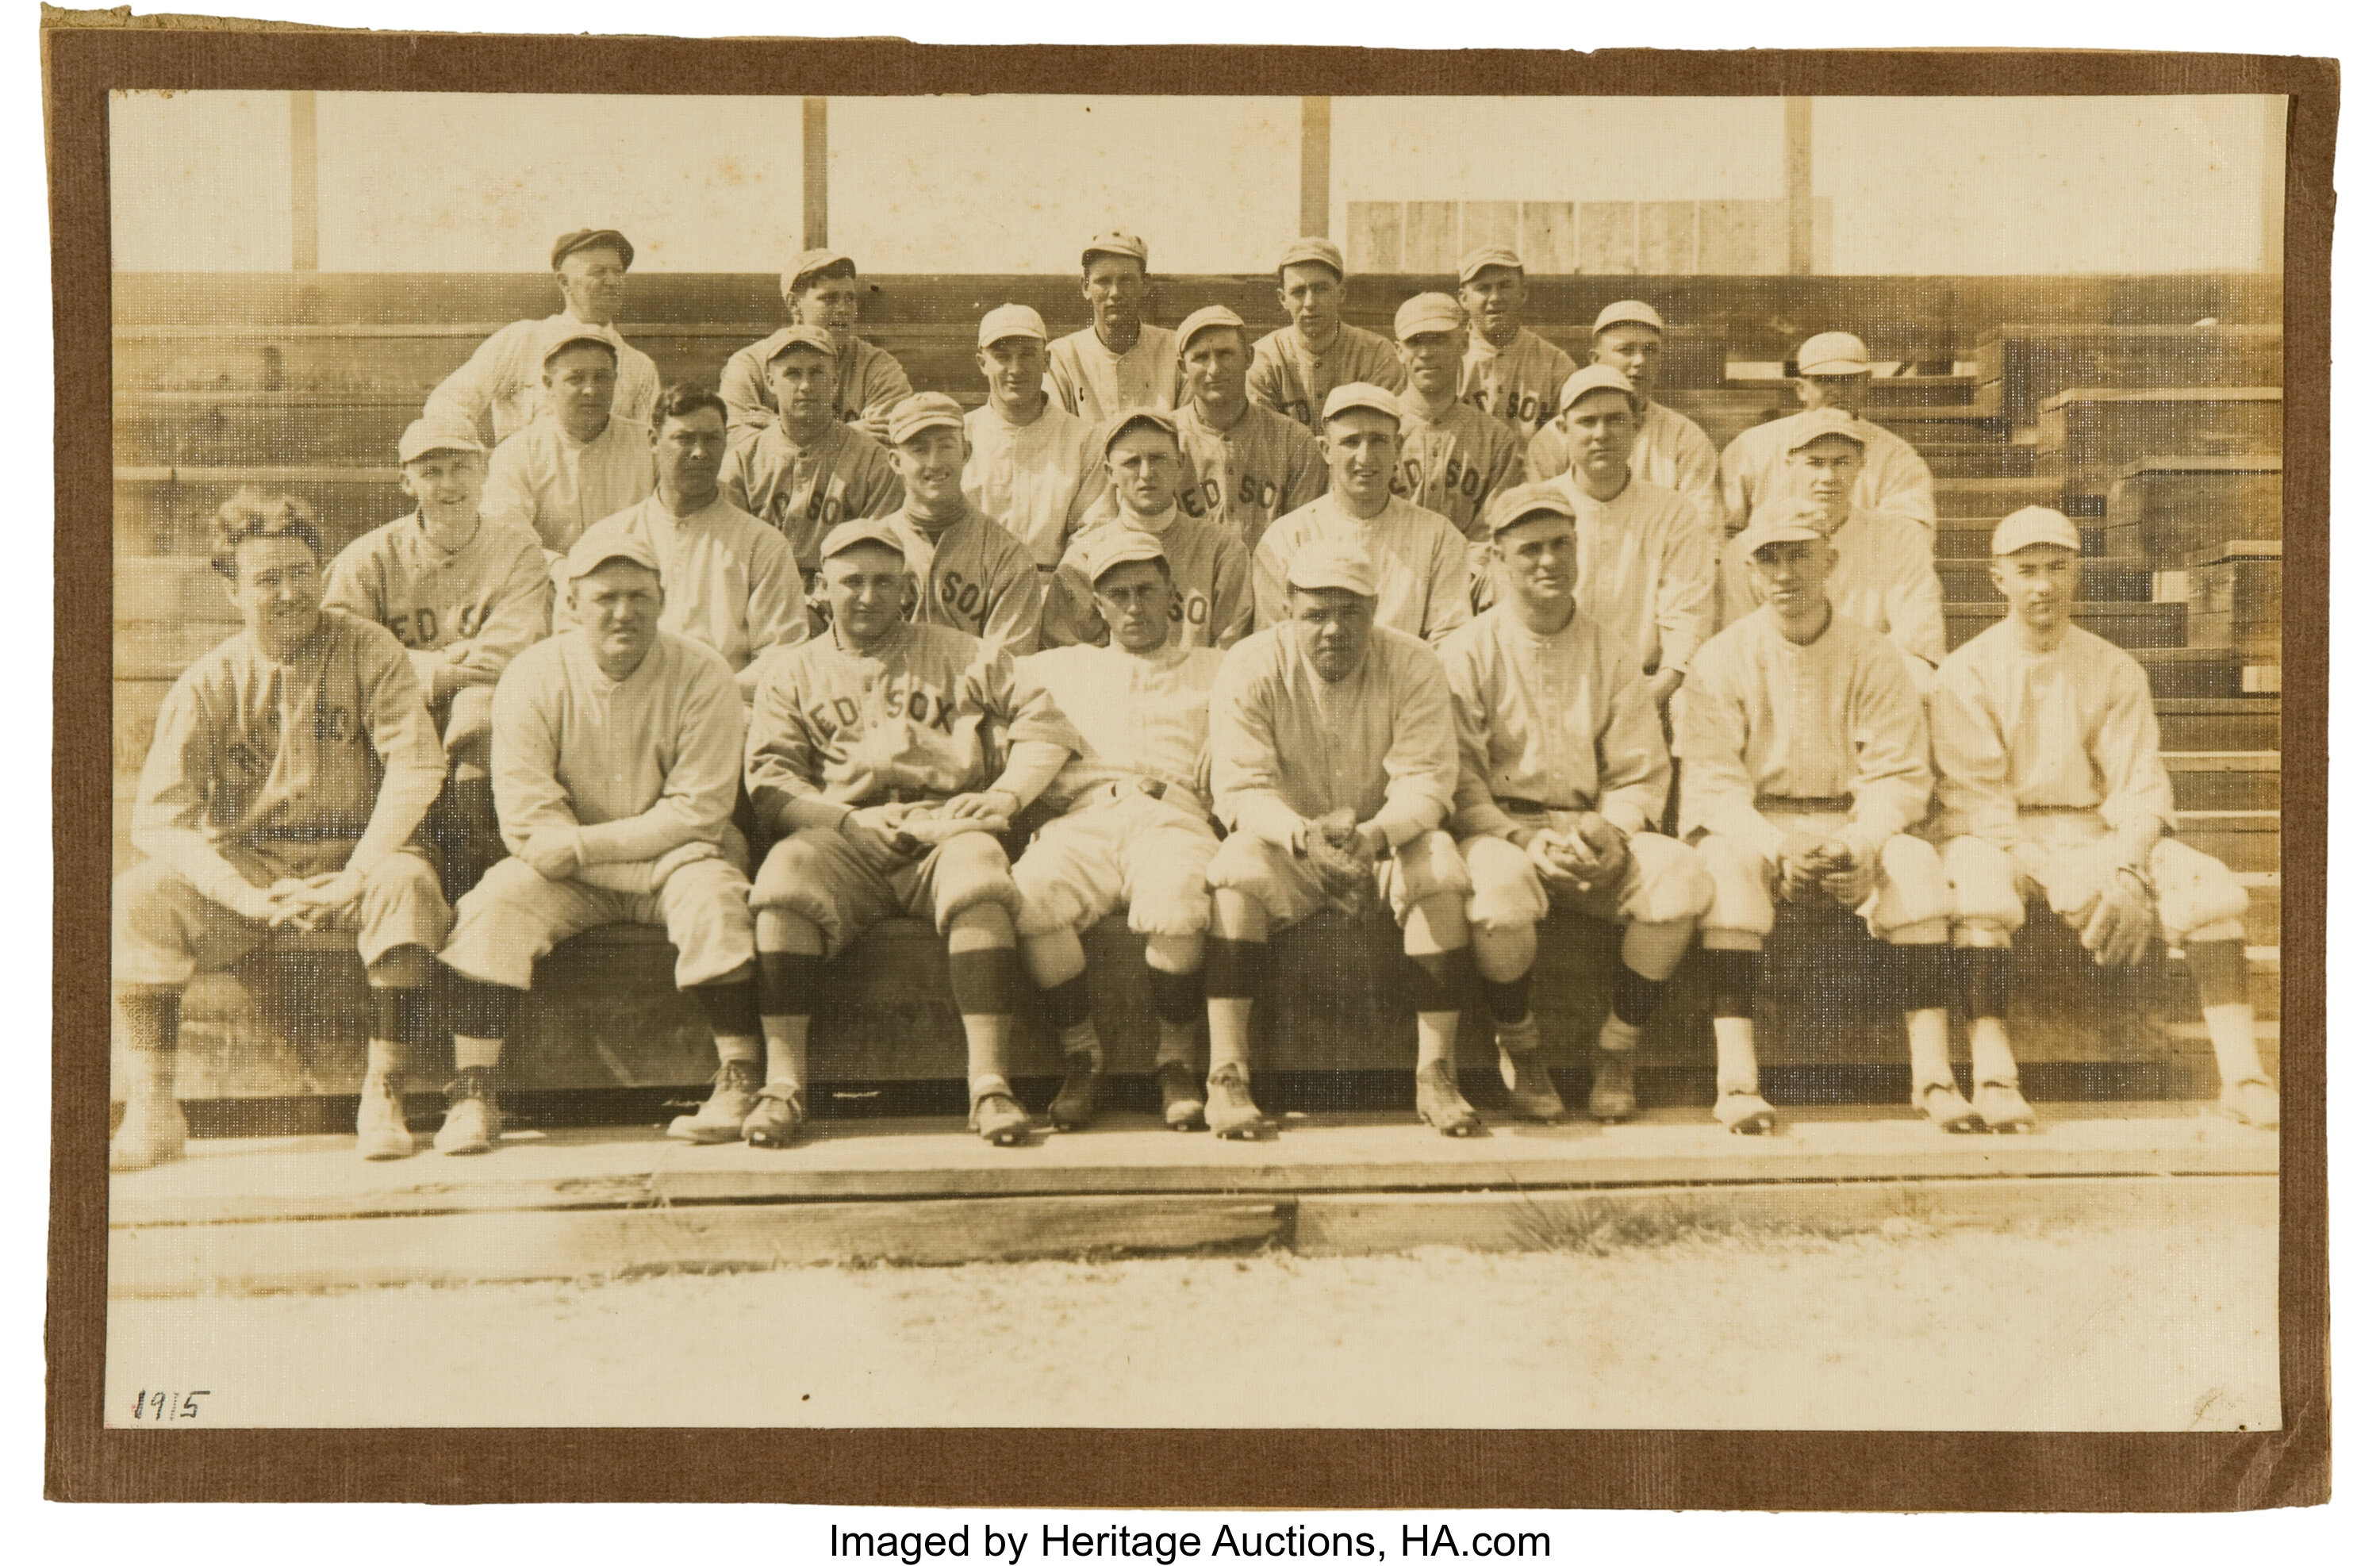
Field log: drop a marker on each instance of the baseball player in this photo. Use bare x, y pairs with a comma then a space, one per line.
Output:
732, 580
821, 289
1672, 450
971, 574
1509, 373
1834, 372
1135, 835
579, 461
1565, 775
1420, 563
1297, 367
1029, 463
466, 596
1334, 750
615, 773
1119, 361
1248, 466
1646, 557
1206, 571
807, 472
869, 750
2054, 790
1804, 749
291, 768
501, 382
1454, 458
1884, 574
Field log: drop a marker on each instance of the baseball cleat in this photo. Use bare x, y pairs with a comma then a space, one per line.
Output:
2002, 1107
1440, 1104
1947, 1107
1744, 1112
1532, 1095
2253, 1102
473, 1123
776, 1117
1230, 1112
1177, 1090
734, 1088
1613, 1096
999, 1119
380, 1131
153, 1132
1077, 1103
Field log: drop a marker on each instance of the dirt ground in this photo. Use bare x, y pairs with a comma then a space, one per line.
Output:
2131, 1326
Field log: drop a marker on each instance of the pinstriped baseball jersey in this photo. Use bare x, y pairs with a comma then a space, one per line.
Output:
1140, 715
1247, 477
1285, 378
1094, 382
974, 577
803, 492
477, 608
1455, 463
1518, 383
1214, 604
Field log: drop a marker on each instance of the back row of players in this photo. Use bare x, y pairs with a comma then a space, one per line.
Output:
1459, 702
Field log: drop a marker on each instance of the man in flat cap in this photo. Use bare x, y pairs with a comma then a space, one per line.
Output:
1119, 362
1206, 570
821, 289
971, 574
1420, 563
1832, 370
1454, 458
1297, 367
2054, 790
1334, 769
1803, 746
615, 756
1509, 373
1029, 465
1565, 775
578, 461
1672, 450
870, 753
1245, 467
500, 381
1134, 837
807, 472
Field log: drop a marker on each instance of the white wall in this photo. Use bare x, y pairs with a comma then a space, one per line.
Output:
199, 181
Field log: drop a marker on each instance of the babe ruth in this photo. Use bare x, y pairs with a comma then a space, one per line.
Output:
1420, 563
1805, 750
501, 380
1884, 575
1672, 450
821, 289
970, 573
1135, 836
1509, 373
466, 596
869, 750
806, 472
1029, 465
1334, 749
1566, 774
1297, 367
1834, 373
1452, 459
2054, 790
291, 768
580, 460
1246, 466
615, 773
732, 580
1206, 571
1119, 361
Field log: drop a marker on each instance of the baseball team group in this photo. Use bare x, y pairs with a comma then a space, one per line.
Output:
1210, 629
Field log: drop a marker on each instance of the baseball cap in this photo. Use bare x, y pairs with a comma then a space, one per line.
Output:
1597, 378
1313, 249
1154, 417
1619, 311
863, 530
924, 411
1116, 242
1360, 395
1832, 353
585, 238
785, 337
1105, 548
1815, 424
608, 541
802, 265
426, 435
1486, 255
1428, 313
1011, 320
1789, 522
2036, 524
567, 331
1205, 319
1519, 503
1331, 560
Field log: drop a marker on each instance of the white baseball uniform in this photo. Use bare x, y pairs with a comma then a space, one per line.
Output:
1286, 378
1670, 451
1037, 480
1095, 383
504, 379
1646, 562
1423, 564
867, 380
729, 581
1883, 577
557, 488
1756, 469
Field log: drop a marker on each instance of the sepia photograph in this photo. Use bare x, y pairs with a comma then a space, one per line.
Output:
1558, 761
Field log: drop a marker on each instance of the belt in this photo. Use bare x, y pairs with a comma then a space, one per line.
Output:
1155, 788
2057, 810
1836, 803
1512, 806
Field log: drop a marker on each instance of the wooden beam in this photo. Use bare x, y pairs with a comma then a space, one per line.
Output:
1314, 167
1799, 211
813, 173
305, 190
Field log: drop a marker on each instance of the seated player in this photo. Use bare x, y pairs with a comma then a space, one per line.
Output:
291, 768
1243, 467
1135, 837
1334, 750
580, 460
615, 773
466, 596
1119, 362
501, 380
1804, 743
1207, 569
1509, 373
969, 573
821, 291
1452, 459
2054, 790
869, 752
1297, 367
1833, 373
1671, 450
1029, 463
1564, 777
806, 471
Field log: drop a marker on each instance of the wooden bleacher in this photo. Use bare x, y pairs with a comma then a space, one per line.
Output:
2159, 435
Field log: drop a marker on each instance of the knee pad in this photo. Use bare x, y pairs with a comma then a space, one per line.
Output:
1909, 886
1984, 895
971, 872
2194, 890
1677, 882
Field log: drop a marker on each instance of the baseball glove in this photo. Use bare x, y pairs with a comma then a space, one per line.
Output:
1350, 883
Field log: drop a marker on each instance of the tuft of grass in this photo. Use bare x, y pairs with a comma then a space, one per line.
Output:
1602, 1227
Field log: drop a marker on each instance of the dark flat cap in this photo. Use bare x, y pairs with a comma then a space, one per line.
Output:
579, 239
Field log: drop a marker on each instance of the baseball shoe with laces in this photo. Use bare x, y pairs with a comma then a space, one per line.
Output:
1947, 1107
776, 1117
1533, 1094
1440, 1104
1230, 1112
999, 1119
1077, 1103
1744, 1112
153, 1132
380, 1131
2250, 1101
473, 1123
1613, 1096
2003, 1108
734, 1088
1177, 1092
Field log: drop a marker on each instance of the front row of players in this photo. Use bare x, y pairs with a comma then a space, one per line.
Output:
1472, 786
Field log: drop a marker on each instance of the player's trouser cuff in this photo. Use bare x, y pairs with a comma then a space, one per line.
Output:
1663, 882
166, 931
2198, 897
1136, 854
821, 876
1911, 901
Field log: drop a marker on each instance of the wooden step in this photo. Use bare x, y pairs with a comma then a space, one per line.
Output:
167, 511
2027, 362
1969, 580
2127, 624
2173, 506
1885, 394
234, 428
1976, 460
2175, 671
2225, 779
1924, 427
2228, 724
2087, 436
1991, 499
2263, 907
2245, 840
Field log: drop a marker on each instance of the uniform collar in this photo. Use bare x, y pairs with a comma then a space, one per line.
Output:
1157, 527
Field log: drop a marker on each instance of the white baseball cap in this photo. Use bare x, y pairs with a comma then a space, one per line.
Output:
2036, 524
1357, 394
1791, 522
863, 530
426, 435
1011, 320
1208, 318
1521, 503
1832, 353
1330, 560
923, 411
1117, 543
1313, 248
1479, 259
1620, 311
604, 542
1116, 242
1816, 424
567, 333
1598, 378
1428, 313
